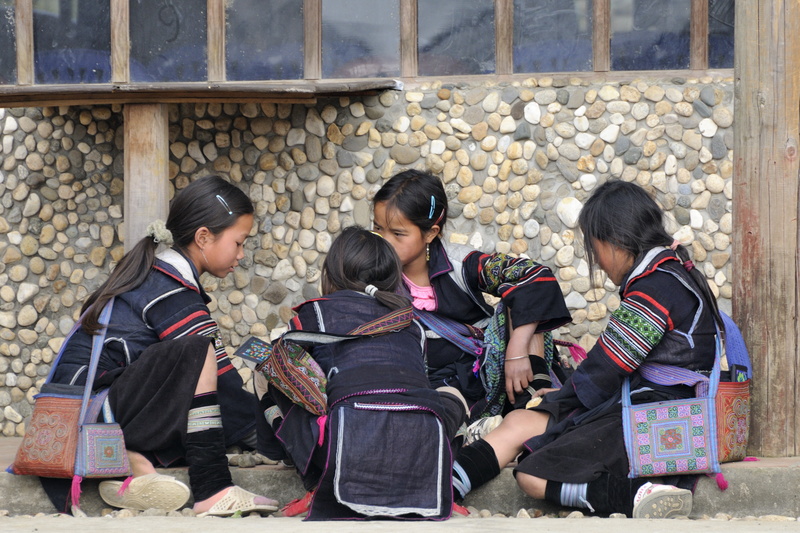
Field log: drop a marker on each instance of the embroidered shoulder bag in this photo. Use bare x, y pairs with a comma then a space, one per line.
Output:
64, 439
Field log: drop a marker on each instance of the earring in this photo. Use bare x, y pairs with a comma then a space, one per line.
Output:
204, 256
427, 252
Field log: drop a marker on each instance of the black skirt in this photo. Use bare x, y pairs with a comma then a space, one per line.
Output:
577, 452
151, 398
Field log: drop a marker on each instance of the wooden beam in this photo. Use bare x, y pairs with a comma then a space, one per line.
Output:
765, 211
120, 42
312, 39
409, 37
504, 36
23, 15
601, 36
216, 40
146, 168
698, 40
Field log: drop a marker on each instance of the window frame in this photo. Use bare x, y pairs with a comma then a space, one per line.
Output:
121, 89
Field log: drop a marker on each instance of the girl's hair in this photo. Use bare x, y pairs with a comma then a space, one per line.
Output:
419, 196
358, 258
625, 215
209, 202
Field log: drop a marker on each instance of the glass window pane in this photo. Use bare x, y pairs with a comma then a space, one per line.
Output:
360, 38
720, 33
552, 35
264, 44
168, 40
650, 34
456, 37
72, 41
8, 44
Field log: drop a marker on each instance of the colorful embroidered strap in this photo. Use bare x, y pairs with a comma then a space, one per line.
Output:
292, 369
459, 334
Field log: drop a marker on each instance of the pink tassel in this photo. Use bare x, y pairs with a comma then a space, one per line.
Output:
75, 491
577, 353
722, 483
321, 421
124, 486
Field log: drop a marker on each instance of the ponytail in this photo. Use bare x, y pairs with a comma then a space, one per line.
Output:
131, 272
392, 300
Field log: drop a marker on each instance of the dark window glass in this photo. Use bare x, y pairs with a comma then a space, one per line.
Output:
8, 43
72, 41
720, 33
552, 35
360, 38
168, 40
650, 34
456, 37
264, 43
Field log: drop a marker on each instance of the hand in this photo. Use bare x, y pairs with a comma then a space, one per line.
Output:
518, 376
542, 392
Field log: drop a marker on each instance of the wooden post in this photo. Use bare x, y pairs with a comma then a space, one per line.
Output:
146, 168
765, 209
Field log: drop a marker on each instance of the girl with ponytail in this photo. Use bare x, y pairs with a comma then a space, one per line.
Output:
390, 432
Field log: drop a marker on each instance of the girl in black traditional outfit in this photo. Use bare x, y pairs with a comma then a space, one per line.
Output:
450, 280
383, 449
172, 387
572, 443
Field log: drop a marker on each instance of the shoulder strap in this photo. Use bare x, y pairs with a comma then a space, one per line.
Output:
394, 321
97, 348
451, 330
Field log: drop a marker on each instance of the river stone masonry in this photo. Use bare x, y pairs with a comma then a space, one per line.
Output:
518, 161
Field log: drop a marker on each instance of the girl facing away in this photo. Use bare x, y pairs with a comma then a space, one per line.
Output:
572, 445
448, 280
172, 387
383, 449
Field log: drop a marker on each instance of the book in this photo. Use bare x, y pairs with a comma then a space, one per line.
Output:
254, 351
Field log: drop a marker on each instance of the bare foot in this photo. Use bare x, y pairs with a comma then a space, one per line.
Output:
204, 505
139, 464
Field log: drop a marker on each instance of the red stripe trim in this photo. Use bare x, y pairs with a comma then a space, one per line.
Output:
656, 305
651, 269
182, 323
224, 369
176, 278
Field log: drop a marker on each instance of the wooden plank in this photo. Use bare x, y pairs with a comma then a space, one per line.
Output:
504, 36
698, 40
601, 36
146, 168
765, 206
216, 40
23, 15
120, 41
312, 39
409, 37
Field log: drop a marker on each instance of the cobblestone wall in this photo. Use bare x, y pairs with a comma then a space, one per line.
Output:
518, 161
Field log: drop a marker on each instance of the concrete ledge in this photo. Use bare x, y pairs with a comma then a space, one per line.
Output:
758, 488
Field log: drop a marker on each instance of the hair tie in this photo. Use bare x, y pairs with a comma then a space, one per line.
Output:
433, 207
371, 290
688, 265
159, 232
675, 244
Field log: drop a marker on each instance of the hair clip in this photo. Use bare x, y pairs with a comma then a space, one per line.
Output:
433, 206
376, 233
224, 204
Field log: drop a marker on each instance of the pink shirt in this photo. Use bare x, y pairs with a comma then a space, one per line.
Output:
422, 297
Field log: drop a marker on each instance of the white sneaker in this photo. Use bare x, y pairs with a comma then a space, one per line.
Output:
661, 501
481, 427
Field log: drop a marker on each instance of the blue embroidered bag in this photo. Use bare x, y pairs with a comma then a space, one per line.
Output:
677, 436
